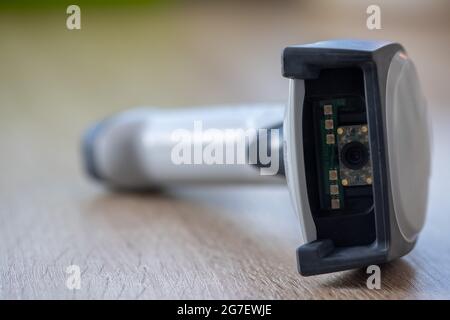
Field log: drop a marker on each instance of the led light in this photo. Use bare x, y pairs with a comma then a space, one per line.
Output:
335, 204
329, 124
332, 175
334, 189
330, 138
328, 109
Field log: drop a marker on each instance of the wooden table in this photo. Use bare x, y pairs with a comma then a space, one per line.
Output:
222, 242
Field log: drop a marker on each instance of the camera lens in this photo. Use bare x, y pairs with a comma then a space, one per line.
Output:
354, 155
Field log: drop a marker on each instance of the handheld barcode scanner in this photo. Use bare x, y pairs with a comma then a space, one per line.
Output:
355, 147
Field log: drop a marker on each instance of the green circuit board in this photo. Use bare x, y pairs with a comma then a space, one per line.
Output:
332, 187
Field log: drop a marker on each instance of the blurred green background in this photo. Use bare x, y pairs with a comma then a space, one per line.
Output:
171, 53
48, 4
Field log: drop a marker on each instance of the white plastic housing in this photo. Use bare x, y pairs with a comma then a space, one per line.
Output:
408, 145
134, 149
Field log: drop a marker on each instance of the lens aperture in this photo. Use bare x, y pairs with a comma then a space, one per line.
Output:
354, 155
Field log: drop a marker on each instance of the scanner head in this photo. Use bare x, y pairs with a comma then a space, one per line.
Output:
357, 152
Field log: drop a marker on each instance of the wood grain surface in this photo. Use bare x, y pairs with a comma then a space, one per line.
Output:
221, 242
